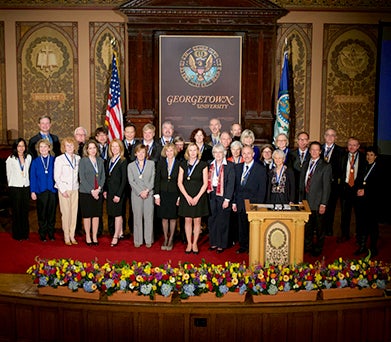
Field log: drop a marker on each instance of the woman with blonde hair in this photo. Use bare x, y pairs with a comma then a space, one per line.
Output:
66, 169
114, 191
167, 193
193, 203
248, 139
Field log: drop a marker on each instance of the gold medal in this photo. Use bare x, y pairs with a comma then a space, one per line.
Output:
326, 159
188, 178
351, 170
364, 183
141, 176
169, 177
278, 188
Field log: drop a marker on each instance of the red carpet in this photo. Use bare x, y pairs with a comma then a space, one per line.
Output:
17, 256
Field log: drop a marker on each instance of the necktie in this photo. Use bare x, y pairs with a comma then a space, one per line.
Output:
302, 158
244, 176
308, 183
351, 173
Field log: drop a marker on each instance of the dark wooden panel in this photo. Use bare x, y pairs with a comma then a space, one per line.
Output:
25, 323
301, 327
327, 319
48, 324
122, 324
6, 328
225, 327
73, 325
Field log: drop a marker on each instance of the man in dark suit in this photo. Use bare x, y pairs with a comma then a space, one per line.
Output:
101, 137
214, 127
167, 133
298, 157
80, 135
44, 124
154, 149
332, 154
353, 169
315, 185
130, 143
225, 140
250, 183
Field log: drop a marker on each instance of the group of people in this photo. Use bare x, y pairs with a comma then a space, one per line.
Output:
203, 183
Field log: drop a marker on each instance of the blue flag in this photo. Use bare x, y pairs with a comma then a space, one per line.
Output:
281, 124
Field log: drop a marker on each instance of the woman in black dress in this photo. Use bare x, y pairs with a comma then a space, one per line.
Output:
116, 180
167, 193
281, 181
193, 204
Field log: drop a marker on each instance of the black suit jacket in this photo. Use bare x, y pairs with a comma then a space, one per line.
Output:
229, 180
358, 181
335, 160
56, 148
255, 187
162, 183
129, 151
155, 152
116, 181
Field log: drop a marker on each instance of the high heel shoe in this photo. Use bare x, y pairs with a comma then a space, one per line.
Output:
112, 242
88, 243
95, 243
188, 251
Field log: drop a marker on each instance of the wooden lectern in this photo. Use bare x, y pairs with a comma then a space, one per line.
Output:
276, 236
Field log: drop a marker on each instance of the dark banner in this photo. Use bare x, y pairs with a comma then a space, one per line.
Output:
200, 79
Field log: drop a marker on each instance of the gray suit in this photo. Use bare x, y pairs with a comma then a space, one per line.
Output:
319, 193
142, 208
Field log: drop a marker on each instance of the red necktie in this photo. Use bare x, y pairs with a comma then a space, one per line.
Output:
351, 173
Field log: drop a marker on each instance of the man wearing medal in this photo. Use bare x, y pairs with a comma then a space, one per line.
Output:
369, 202
332, 154
298, 156
250, 183
44, 124
353, 169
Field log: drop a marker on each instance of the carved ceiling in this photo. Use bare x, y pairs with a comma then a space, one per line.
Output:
358, 5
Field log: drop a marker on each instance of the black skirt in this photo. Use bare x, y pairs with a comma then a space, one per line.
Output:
90, 207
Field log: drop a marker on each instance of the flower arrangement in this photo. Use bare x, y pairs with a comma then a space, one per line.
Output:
190, 280
219, 279
362, 273
66, 272
143, 278
272, 279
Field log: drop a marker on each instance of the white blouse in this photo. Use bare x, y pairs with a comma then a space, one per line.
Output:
17, 175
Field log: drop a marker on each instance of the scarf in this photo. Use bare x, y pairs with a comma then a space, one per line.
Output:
220, 180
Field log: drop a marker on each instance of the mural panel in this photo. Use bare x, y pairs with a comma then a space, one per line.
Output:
47, 76
349, 78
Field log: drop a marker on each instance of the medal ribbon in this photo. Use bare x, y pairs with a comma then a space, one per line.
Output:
138, 167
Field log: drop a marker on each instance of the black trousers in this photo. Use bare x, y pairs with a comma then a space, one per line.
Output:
314, 234
20, 201
244, 229
218, 222
349, 201
46, 212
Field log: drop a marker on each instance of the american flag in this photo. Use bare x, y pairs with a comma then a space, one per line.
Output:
114, 120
